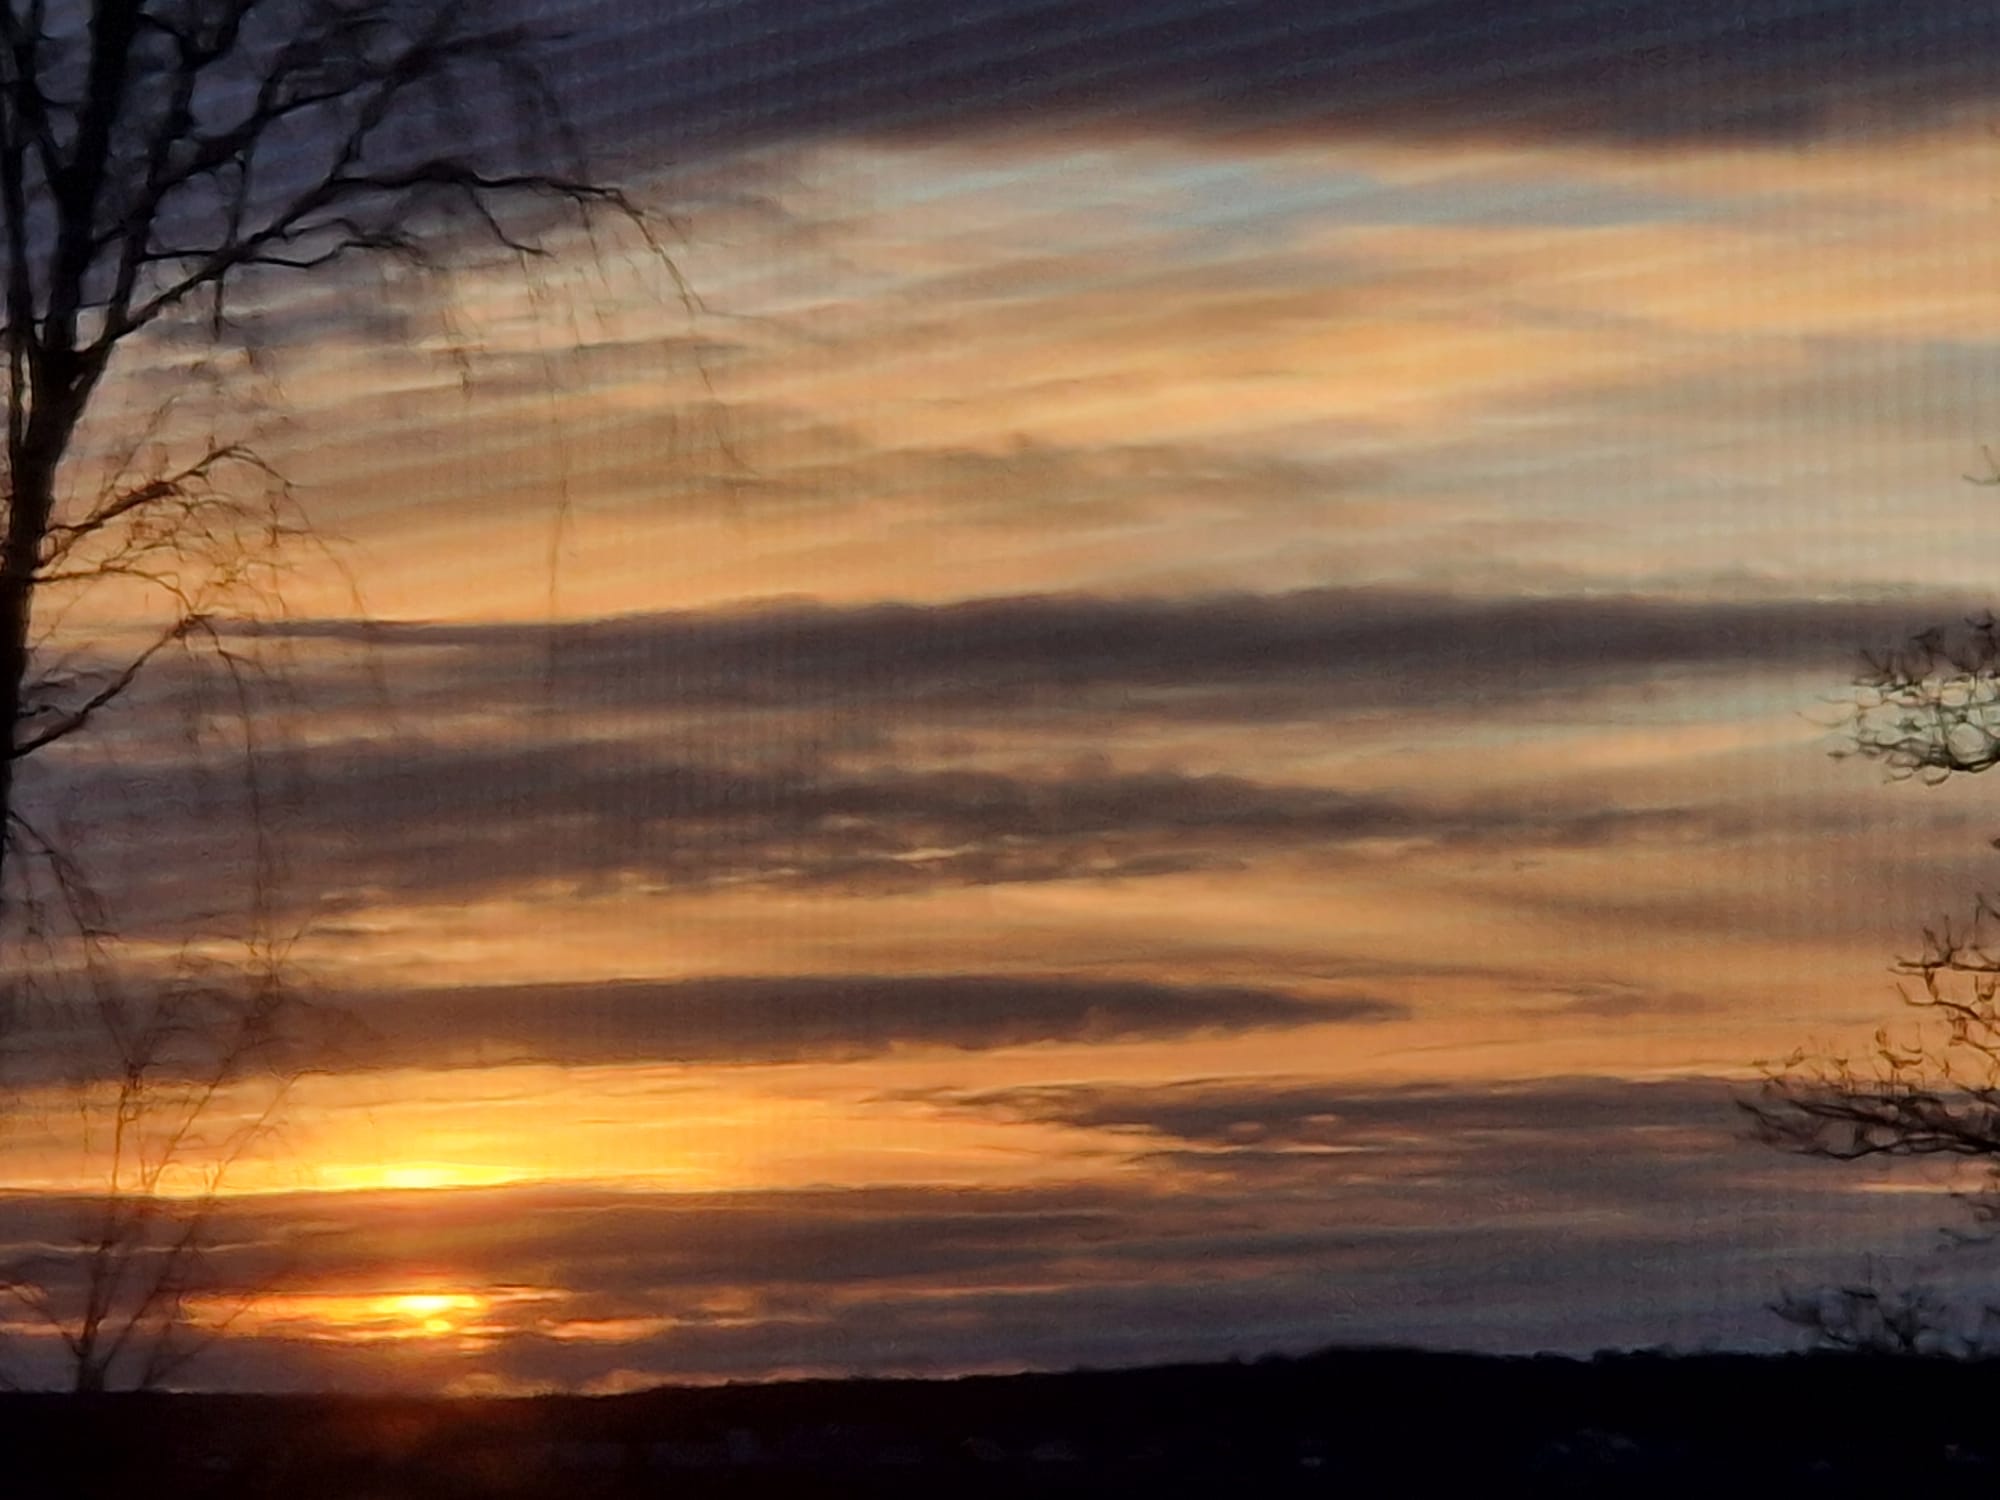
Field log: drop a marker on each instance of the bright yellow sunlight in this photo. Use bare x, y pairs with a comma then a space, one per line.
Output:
433, 1174
430, 1311
376, 1317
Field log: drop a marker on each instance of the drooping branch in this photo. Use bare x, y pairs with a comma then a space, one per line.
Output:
191, 484
73, 719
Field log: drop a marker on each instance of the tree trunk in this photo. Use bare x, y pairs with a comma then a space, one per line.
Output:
29, 505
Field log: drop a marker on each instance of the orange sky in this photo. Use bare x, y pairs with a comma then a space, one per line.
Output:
870, 641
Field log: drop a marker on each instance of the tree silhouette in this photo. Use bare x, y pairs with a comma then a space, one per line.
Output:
1926, 711
163, 163
157, 158
1879, 1313
184, 1077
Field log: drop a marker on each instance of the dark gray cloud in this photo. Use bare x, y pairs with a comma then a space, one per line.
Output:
693, 78
457, 820
812, 1017
809, 746
1307, 654
1234, 1112
708, 1022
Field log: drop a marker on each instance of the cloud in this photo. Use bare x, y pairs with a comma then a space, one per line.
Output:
1310, 653
724, 1021
813, 1017
1296, 1112
425, 822
748, 72
811, 747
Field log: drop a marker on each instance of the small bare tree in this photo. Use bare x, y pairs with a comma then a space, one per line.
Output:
163, 162
1934, 1094
181, 1079
1881, 1314
1929, 710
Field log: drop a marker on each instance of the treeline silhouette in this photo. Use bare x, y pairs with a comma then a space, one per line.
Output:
1633, 1424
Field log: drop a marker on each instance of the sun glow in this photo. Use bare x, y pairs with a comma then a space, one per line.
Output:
432, 1312
409, 1176
379, 1317
431, 1174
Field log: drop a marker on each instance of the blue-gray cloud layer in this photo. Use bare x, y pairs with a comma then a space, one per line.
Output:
811, 1017
713, 1022
809, 746
1312, 653
747, 72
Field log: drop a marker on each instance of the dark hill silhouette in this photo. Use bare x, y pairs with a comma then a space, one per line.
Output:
1642, 1424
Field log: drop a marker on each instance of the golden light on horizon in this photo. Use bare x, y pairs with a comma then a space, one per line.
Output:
430, 1312
381, 1317
413, 1176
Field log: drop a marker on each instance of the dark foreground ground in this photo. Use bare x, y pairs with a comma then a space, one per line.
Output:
1321, 1425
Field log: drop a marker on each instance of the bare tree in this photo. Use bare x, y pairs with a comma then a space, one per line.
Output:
1929, 710
1878, 1313
157, 159
1935, 1093
177, 1082
163, 163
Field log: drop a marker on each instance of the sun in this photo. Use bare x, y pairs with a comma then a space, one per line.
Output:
408, 1176
408, 1317
428, 1312
424, 1174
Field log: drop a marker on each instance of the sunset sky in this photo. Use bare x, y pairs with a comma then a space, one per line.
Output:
1184, 711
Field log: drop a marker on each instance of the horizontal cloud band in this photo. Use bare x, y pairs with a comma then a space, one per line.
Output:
757, 72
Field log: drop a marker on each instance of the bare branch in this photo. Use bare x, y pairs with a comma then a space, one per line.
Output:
1930, 709
80, 716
